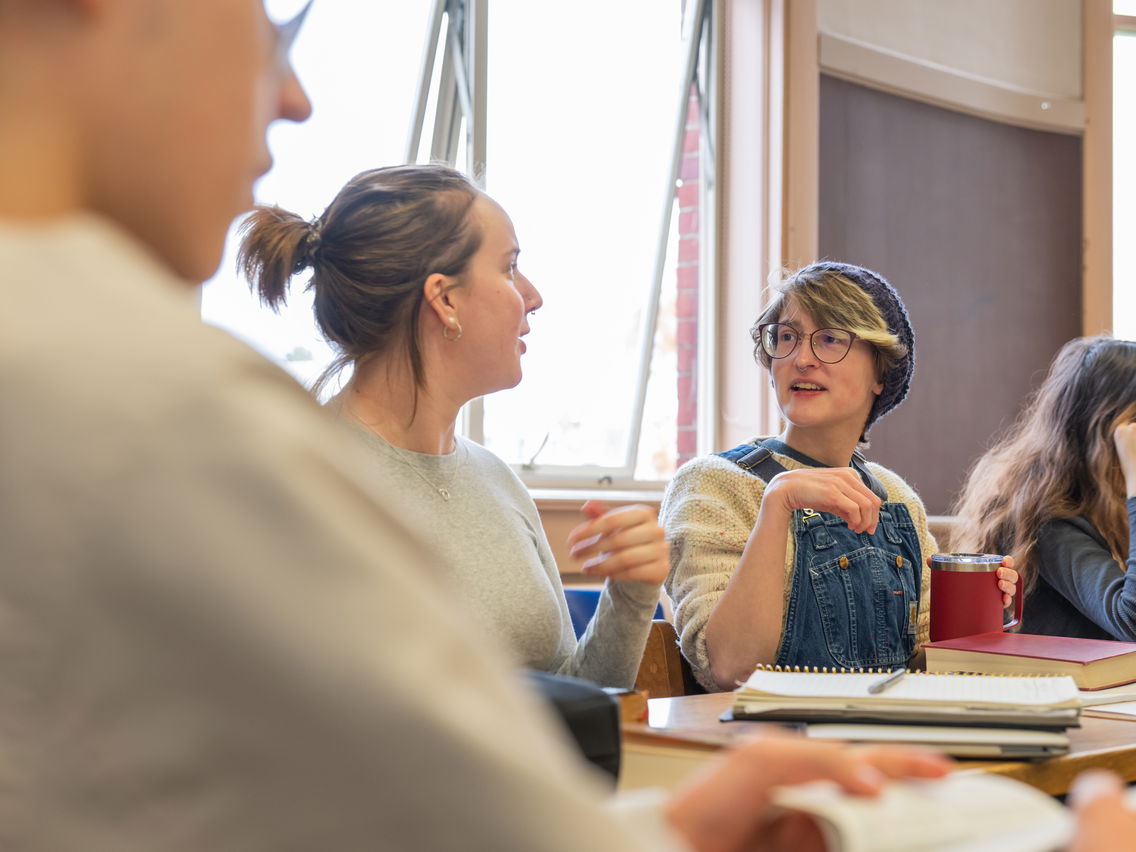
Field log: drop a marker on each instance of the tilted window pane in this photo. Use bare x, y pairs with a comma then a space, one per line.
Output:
581, 112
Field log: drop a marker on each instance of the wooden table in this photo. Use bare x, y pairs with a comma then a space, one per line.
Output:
653, 758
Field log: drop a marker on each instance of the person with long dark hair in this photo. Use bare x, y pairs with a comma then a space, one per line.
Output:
1058, 491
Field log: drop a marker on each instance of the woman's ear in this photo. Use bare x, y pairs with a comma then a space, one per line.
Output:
436, 294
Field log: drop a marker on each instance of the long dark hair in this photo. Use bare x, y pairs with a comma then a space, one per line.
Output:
1058, 460
370, 252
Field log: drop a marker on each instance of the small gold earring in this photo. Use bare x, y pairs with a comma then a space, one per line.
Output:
457, 325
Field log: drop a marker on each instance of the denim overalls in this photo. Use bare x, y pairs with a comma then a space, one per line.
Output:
854, 602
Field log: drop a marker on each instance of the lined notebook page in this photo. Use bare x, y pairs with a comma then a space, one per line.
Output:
916, 687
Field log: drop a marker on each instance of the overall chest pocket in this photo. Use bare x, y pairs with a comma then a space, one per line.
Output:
867, 601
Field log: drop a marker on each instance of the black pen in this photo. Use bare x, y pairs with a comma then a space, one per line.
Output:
880, 685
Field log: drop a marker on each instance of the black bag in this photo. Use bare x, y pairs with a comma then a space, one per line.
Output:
590, 714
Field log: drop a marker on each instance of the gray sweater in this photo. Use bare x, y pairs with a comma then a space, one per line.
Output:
216, 634
1081, 589
490, 536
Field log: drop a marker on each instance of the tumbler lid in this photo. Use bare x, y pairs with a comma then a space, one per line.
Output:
966, 561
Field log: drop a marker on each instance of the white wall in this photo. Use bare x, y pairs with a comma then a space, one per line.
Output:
1034, 45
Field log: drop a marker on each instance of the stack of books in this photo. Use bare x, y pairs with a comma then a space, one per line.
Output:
964, 715
1092, 663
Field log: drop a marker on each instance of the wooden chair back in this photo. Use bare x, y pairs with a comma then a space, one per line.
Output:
664, 672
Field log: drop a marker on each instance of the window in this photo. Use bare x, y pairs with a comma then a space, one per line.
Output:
571, 115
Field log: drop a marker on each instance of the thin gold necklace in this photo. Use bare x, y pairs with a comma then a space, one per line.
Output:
397, 452
443, 490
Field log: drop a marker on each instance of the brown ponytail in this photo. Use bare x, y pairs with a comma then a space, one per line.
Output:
370, 253
274, 247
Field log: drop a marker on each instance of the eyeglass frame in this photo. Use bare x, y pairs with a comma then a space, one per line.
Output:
853, 337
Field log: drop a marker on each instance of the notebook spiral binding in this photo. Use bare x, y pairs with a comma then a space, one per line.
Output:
762, 667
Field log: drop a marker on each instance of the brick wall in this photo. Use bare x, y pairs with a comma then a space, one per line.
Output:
686, 306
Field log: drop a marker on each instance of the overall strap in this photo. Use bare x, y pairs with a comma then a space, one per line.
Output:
758, 459
873, 483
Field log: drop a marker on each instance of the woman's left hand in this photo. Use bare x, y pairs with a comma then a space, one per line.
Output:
622, 544
1007, 582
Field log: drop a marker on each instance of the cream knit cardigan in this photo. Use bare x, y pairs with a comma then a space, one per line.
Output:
709, 510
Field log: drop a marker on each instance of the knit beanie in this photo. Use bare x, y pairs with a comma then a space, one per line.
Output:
897, 380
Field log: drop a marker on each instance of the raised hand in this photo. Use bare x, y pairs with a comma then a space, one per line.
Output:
626, 543
838, 490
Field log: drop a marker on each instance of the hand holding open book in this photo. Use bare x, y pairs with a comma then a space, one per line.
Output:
972, 812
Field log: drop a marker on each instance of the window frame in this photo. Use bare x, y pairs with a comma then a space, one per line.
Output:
452, 78
1122, 25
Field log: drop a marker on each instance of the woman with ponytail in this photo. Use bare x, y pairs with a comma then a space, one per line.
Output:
1058, 491
415, 282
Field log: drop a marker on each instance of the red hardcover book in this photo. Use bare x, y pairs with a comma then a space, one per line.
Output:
1092, 663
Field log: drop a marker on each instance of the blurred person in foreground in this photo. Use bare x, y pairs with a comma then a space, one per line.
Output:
205, 610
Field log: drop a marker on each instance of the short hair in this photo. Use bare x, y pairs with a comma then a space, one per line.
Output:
833, 301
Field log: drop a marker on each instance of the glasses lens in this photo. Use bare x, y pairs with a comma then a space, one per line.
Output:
831, 344
779, 340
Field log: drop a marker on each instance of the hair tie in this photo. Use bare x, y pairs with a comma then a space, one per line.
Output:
311, 245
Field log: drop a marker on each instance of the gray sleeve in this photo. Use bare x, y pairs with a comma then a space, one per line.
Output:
1076, 562
611, 648
249, 652
215, 634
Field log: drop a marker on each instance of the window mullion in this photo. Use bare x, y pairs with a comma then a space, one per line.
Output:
456, 49
703, 72
477, 77
446, 112
422, 95
475, 81
706, 373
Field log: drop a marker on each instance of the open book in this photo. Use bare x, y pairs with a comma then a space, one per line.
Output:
915, 699
975, 812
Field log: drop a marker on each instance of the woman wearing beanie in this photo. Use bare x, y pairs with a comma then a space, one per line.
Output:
415, 282
793, 550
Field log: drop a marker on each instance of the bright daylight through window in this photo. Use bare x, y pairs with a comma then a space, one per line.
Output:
581, 107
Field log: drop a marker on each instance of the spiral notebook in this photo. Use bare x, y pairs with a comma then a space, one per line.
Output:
916, 698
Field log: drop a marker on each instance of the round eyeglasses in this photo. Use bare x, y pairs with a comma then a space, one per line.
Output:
830, 345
